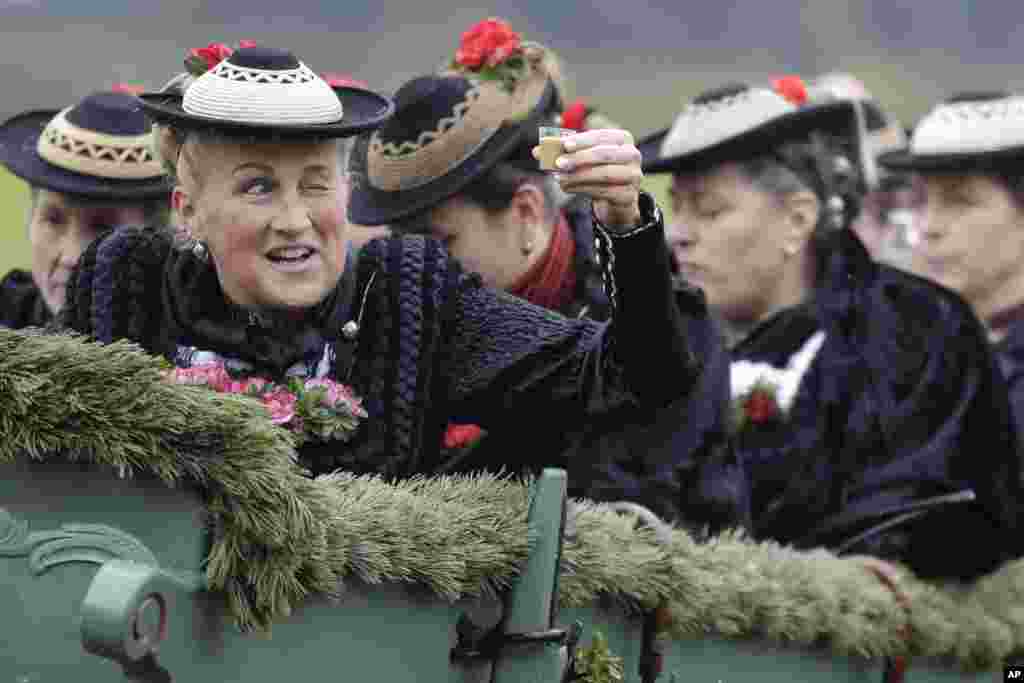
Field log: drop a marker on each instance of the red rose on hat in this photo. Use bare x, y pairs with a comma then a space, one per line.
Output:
202, 59
490, 42
792, 88
213, 54
575, 116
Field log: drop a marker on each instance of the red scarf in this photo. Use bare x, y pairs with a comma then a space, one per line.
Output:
551, 282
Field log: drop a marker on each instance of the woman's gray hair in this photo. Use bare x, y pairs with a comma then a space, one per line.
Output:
819, 165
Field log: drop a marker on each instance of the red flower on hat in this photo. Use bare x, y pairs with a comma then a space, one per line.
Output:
460, 436
792, 88
575, 116
342, 81
487, 43
127, 89
202, 59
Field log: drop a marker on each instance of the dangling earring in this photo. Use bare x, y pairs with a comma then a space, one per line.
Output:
199, 250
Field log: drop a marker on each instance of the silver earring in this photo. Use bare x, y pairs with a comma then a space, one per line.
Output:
199, 250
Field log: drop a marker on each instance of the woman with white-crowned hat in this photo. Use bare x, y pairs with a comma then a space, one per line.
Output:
968, 151
870, 415
267, 293
90, 168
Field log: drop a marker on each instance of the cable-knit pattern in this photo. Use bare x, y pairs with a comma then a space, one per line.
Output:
374, 371
77, 312
126, 284
407, 260
111, 249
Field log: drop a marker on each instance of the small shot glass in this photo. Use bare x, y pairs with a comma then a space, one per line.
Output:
551, 145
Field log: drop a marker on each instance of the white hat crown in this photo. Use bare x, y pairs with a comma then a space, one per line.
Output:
972, 126
704, 124
241, 94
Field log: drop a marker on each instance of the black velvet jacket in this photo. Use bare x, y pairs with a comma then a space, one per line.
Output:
666, 459
433, 345
902, 409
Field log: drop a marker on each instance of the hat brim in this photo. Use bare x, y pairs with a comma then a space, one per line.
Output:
371, 206
363, 110
19, 137
906, 161
838, 116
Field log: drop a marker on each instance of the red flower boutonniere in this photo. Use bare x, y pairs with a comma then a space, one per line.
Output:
758, 407
202, 59
491, 50
763, 394
792, 88
462, 436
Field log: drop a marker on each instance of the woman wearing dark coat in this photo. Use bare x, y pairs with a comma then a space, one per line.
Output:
869, 415
503, 218
265, 288
75, 196
968, 151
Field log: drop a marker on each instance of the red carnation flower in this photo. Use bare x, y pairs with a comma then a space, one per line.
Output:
489, 42
792, 88
760, 406
342, 81
459, 436
213, 54
246, 43
575, 116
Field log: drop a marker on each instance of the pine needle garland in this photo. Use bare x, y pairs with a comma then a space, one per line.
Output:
280, 537
597, 664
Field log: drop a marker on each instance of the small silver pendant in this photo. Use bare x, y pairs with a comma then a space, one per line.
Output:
349, 330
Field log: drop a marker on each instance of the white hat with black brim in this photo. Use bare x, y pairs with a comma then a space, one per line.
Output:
264, 92
738, 122
970, 131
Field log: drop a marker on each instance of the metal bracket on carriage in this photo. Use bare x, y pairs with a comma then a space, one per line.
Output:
125, 616
475, 642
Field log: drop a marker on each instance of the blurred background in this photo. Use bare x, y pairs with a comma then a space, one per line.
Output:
637, 60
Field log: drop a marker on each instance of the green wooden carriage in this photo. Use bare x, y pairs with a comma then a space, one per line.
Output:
142, 523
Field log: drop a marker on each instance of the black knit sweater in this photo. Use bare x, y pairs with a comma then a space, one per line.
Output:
433, 344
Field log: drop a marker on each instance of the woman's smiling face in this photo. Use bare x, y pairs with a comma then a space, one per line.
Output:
271, 215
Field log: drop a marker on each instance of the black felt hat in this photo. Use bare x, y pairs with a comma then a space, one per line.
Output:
265, 92
100, 148
737, 122
969, 131
447, 131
